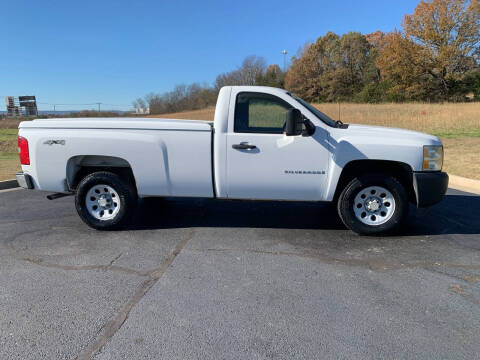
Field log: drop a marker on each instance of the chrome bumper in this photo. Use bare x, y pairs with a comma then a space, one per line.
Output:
24, 180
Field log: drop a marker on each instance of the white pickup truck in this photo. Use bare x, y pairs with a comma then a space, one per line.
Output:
264, 144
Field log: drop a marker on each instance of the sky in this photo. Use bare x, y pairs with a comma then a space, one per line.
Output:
83, 52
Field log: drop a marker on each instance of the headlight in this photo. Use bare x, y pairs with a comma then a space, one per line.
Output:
432, 157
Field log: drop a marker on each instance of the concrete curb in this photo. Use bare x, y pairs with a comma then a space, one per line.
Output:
8, 184
464, 184
456, 182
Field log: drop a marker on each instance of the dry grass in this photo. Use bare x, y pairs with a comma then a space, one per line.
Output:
9, 165
462, 156
446, 120
9, 124
439, 119
203, 114
457, 124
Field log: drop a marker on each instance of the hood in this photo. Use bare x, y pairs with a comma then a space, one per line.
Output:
387, 133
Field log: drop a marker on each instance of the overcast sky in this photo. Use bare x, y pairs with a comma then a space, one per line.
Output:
81, 52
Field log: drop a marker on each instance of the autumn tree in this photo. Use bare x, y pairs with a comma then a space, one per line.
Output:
273, 76
401, 66
436, 51
357, 61
333, 68
302, 78
376, 39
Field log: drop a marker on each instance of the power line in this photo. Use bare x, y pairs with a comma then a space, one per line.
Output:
98, 104
78, 104
116, 104
43, 103
89, 104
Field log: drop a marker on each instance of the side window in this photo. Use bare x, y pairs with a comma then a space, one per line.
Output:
260, 113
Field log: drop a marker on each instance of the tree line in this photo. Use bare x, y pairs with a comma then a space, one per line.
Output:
434, 57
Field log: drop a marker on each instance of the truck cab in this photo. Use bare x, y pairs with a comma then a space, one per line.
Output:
256, 159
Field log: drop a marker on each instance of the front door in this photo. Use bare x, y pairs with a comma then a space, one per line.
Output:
262, 162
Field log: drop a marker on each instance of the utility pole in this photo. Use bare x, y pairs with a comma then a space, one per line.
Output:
284, 52
98, 103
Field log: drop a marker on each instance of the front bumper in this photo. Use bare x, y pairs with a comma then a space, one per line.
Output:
430, 187
24, 180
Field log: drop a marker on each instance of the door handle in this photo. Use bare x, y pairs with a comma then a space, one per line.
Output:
243, 146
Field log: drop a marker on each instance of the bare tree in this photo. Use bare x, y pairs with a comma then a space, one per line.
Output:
252, 69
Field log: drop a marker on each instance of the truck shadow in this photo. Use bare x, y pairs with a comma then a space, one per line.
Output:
456, 214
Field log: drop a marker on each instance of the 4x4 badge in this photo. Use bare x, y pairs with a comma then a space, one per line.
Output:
54, 142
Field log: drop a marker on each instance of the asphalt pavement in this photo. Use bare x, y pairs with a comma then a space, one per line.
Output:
205, 279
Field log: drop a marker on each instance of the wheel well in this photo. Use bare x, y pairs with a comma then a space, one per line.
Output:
80, 166
401, 171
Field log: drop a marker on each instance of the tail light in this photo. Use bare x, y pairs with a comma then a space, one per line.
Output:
23, 151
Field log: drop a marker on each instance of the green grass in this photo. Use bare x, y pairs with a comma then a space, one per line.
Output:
455, 133
458, 125
9, 162
9, 165
8, 155
8, 134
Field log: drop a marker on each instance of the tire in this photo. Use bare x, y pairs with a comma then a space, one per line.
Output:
373, 205
104, 201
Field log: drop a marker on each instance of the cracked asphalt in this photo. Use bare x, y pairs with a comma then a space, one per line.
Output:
204, 279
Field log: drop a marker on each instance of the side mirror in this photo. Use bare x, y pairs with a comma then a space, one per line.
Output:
294, 123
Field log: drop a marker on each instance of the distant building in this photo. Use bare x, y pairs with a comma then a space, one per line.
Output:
142, 111
29, 103
13, 107
21, 106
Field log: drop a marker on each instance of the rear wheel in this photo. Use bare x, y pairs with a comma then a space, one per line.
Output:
374, 204
105, 201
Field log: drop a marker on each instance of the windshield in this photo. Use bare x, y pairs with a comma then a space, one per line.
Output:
321, 116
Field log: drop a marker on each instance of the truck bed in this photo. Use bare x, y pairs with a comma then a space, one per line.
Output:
119, 123
168, 157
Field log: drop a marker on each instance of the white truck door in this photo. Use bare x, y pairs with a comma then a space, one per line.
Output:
262, 162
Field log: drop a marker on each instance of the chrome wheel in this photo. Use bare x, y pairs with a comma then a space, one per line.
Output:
102, 202
374, 205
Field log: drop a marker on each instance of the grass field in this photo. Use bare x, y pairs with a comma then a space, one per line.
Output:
9, 165
443, 120
458, 125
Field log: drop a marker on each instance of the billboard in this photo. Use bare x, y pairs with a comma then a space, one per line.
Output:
22, 105
26, 98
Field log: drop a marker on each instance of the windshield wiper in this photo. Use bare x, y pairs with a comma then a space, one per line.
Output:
339, 124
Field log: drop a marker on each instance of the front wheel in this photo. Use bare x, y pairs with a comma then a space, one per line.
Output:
105, 201
375, 204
